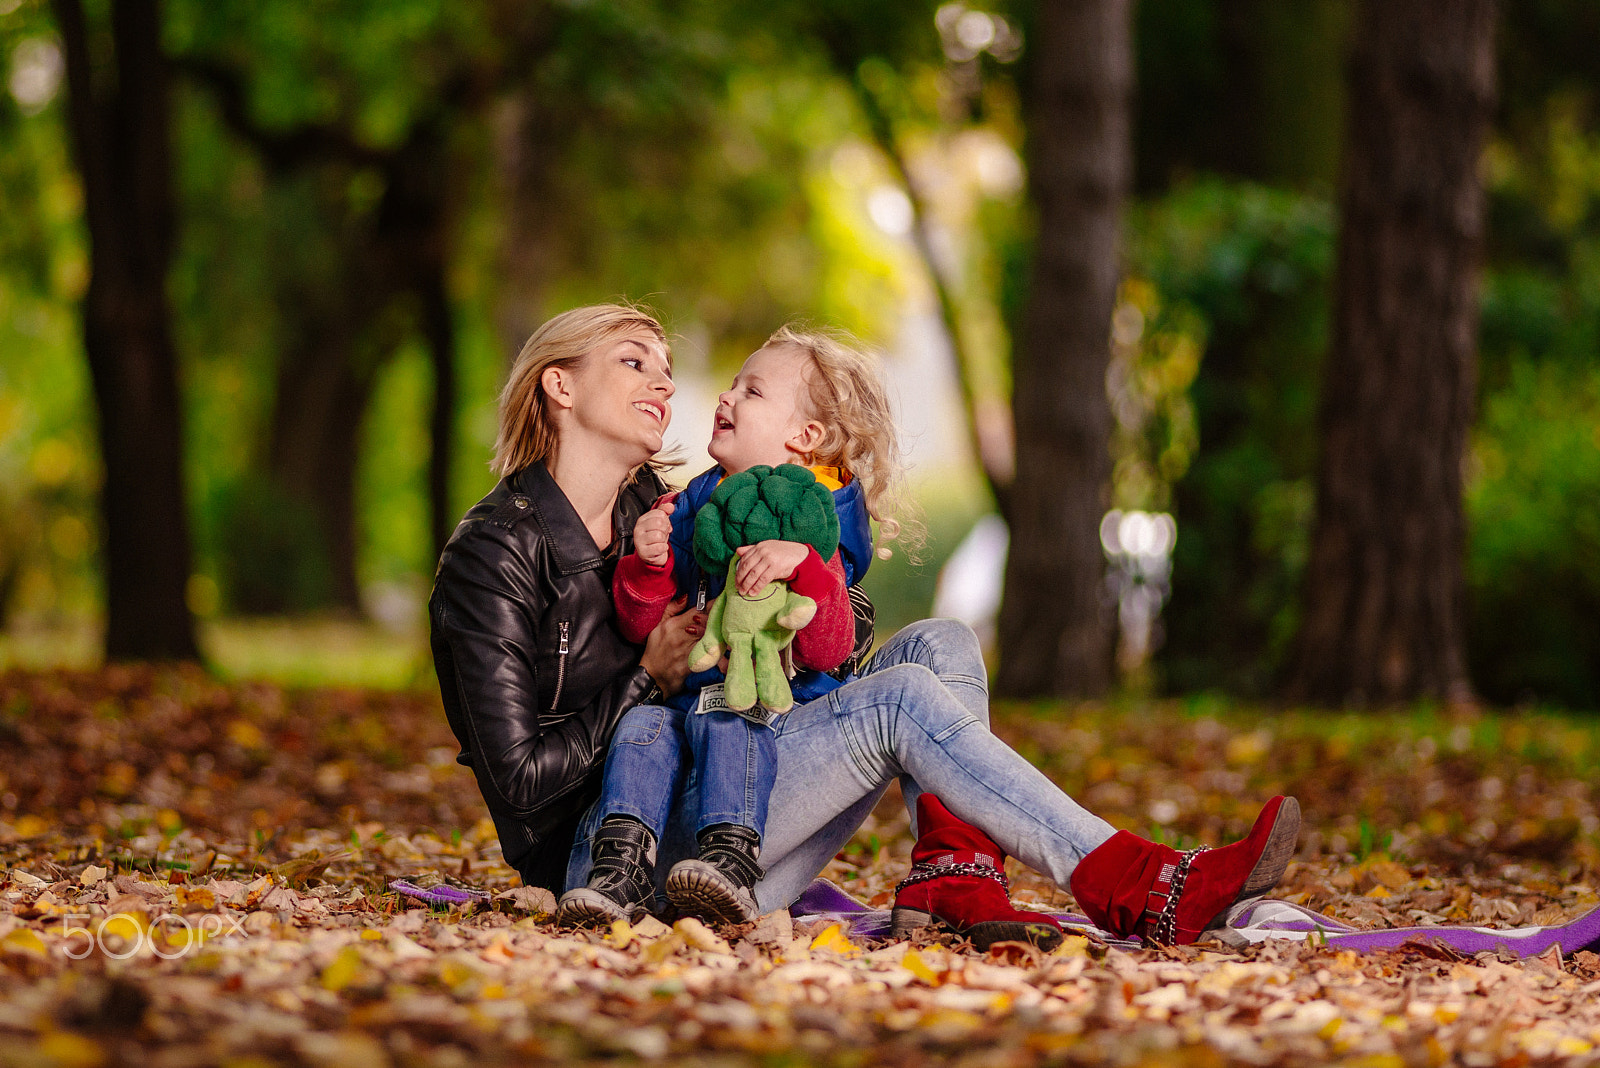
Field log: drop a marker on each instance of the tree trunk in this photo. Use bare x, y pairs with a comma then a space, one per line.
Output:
314, 447
438, 327
118, 111
1383, 617
1056, 634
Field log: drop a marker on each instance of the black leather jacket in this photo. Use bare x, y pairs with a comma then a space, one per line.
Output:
532, 669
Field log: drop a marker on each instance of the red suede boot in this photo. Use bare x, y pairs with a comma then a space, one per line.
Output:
1134, 887
958, 879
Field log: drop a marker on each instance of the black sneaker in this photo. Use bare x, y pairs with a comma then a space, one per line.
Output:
719, 885
621, 881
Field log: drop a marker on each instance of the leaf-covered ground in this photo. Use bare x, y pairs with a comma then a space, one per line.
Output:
195, 873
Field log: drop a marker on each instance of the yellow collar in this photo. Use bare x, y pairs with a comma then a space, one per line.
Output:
832, 477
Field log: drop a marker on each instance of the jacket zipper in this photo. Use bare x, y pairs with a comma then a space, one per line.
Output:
561, 666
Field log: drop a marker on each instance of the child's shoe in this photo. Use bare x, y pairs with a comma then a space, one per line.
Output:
621, 883
719, 886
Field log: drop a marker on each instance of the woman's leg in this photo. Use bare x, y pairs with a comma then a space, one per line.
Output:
837, 753
949, 649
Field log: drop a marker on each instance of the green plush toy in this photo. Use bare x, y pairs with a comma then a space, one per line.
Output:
784, 503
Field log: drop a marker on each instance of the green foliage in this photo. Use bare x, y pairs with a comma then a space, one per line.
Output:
1533, 561
49, 465
269, 551
1242, 273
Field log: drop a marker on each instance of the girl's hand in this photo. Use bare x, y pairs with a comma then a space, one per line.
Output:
769, 561
652, 532
666, 650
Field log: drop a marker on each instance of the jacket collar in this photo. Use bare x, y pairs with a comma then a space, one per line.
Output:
569, 540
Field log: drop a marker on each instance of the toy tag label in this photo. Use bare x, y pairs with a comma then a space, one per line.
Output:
713, 699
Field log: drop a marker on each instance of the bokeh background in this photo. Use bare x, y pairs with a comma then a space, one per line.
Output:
371, 204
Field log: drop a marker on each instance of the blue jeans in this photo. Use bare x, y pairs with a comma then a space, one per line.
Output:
919, 712
657, 752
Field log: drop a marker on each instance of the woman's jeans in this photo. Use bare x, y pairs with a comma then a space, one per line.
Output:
918, 711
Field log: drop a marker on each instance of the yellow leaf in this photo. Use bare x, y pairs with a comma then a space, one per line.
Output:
834, 940
621, 934
342, 970
913, 963
1379, 892
1072, 946
454, 974
243, 733
23, 941
126, 925
700, 936
662, 948
1248, 748
199, 897
67, 1050
31, 826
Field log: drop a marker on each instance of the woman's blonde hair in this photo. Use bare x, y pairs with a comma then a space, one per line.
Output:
527, 434
847, 395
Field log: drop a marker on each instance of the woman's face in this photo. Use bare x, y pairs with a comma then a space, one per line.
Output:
622, 393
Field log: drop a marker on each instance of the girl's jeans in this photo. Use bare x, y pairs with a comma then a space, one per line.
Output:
919, 711
657, 751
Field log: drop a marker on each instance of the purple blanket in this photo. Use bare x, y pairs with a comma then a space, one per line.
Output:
1255, 921
1260, 920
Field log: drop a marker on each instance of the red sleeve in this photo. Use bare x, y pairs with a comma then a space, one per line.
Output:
642, 593
824, 643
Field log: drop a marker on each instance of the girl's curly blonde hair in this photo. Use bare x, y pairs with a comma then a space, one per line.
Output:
847, 395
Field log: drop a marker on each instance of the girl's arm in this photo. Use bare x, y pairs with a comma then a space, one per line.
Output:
642, 593
825, 642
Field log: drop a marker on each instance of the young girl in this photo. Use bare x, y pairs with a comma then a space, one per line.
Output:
802, 398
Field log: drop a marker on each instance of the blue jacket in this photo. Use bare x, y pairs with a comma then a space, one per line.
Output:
855, 553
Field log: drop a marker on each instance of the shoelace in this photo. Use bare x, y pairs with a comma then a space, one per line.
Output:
921, 873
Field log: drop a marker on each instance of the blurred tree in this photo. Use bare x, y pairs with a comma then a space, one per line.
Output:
382, 274
118, 84
1237, 134
1250, 266
1383, 617
1250, 89
1055, 629
870, 53
382, 156
597, 122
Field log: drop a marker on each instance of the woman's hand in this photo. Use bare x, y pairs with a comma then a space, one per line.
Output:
666, 650
769, 561
652, 532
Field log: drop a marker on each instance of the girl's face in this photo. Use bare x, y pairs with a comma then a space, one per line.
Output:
622, 392
761, 418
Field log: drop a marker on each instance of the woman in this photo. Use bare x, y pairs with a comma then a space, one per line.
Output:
536, 680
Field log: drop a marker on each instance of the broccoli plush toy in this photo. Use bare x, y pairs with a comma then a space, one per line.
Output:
784, 503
